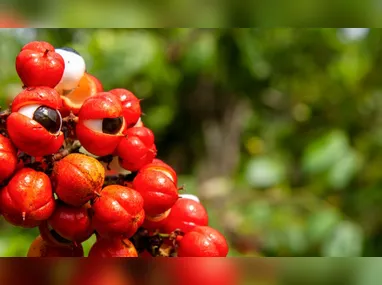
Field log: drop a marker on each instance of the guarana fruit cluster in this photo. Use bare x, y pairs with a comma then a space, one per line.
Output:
66, 145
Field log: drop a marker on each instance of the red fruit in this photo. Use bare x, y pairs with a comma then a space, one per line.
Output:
137, 149
40, 248
130, 104
115, 247
72, 223
184, 216
51, 237
158, 191
8, 158
34, 126
28, 199
118, 211
203, 242
77, 179
159, 165
38, 46
38, 64
101, 124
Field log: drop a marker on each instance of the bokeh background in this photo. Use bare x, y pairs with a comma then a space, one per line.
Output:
278, 131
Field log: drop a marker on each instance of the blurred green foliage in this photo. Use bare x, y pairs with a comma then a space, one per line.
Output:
279, 131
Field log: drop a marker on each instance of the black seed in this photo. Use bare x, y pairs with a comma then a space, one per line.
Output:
49, 118
112, 125
70, 49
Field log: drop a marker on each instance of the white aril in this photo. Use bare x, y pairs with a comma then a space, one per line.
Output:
75, 68
190, 196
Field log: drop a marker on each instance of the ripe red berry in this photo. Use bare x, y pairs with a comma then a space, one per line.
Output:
159, 165
40, 248
184, 216
8, 158
34, 126
101, 124
28, 199
203, 241
38, 64
136, 149
72, 223
130, 104
115, 247
158, 191
51, 237
77, 179
118, 211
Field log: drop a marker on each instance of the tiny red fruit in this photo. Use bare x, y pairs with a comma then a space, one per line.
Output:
28, 199
101, 124
8, 158
34, 126
118, 211
184, 216
38, 64
115, 247
51, 237
130, 104
159, 165
157, 189
203, 241
77, 178
137, 149
72, 223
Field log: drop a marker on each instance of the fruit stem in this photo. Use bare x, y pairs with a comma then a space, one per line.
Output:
46, 52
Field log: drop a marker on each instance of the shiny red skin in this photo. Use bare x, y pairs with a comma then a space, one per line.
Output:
38, 67
158, 191
130, 104
118, 212
39, 46
165, 168
46, 233
8, 158
100, 106
28, 135
203, 241
115, 247
137, 149
77, 178
37, 95
185, 215
72, 223
28, 192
